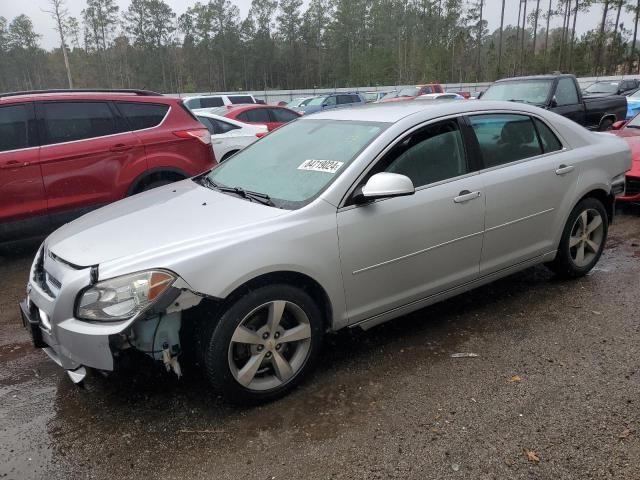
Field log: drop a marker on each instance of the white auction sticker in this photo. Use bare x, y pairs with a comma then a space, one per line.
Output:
327, 166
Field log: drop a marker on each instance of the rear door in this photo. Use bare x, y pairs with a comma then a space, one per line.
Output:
87, 152
529, 183
23, 204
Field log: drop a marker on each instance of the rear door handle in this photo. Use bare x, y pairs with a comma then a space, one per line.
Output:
14, 164
120, 147
466, 196
563, 169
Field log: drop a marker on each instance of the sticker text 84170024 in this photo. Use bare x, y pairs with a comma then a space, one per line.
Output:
326, 166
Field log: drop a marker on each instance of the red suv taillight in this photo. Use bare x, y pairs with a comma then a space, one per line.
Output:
201, 134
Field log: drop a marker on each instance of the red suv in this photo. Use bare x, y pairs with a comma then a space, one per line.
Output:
270, 115
65, 152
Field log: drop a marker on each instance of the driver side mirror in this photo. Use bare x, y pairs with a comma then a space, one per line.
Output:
384, 185
618, 125
554, 102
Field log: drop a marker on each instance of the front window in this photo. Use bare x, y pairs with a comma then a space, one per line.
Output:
534, 92
409, 92
295, 163
603, 87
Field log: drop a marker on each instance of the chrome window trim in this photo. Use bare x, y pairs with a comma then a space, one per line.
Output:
351, 189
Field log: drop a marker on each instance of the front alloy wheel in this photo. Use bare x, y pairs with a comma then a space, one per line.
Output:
270, 345
264, 344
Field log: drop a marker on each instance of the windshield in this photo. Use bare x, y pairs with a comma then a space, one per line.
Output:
409, 92
316, 101
603, 87
293, 164
525, 91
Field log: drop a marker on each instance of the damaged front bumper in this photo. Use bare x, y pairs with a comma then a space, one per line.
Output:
48, 314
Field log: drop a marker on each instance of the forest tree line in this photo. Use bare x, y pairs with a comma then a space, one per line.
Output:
331, 43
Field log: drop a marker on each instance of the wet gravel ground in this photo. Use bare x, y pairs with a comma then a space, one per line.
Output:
557, 375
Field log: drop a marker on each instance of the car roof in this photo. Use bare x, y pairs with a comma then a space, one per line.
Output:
85, 95
535, 77
392, 112
218, 95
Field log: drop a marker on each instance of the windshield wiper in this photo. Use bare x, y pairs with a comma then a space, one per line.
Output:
262, 198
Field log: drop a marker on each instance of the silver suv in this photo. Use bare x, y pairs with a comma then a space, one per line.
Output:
351, 217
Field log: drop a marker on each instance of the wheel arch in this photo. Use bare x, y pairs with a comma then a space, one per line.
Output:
154, 174
295, 279
607, 116
607, 199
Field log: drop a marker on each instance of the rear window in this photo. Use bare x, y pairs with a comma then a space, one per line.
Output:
255, 115
69, 121
550, 142
208, 102
143, 115
13, 127
282, 115
216, 126
240, 99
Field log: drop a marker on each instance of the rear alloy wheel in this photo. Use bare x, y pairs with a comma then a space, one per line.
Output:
583, 239
264, 344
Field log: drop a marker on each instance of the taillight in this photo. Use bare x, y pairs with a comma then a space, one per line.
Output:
261, 134
201, 134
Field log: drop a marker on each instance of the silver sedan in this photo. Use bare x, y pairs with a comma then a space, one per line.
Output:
351, 217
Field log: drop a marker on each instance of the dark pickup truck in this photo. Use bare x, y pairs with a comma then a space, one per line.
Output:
561, 94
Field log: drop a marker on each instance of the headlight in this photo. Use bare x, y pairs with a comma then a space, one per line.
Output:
123, 297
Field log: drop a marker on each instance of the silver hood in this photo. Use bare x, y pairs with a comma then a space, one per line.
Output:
165, 216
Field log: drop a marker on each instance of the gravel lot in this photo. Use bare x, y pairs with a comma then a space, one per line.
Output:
557, 376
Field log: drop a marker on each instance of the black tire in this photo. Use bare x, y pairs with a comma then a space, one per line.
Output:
605, 125
227, 155
217, 353
564, 264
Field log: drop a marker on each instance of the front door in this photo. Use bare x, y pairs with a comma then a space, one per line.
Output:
399, 250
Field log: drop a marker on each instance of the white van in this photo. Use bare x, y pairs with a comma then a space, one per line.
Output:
207, 101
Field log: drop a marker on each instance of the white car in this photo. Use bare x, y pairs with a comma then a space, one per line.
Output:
228, 136
440, 96
208, 101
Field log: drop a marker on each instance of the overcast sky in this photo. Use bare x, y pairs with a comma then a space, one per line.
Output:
44, 24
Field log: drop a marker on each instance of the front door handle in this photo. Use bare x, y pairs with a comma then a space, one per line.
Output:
466, 196
120, 147
14, 164
564, 169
